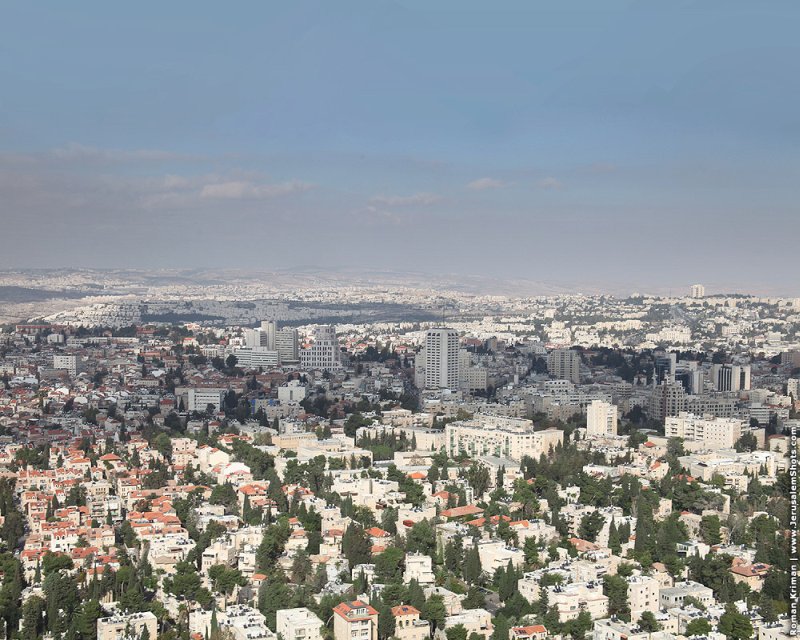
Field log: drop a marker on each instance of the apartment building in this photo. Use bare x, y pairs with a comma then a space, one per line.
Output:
570, 599
355, 620
601, 419
441, 359
124, 626
643, 592
298, 624
486, 435
714, 433
564, 364
407, 625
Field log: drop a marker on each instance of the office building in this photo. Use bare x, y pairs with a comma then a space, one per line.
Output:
198, 399
441, 359
730, 377
287, 345
601, 419
698, 291
324, 353
256, 358
667, 399
269, 330
564, 364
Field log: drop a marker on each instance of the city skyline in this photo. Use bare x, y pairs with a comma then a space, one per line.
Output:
628, 146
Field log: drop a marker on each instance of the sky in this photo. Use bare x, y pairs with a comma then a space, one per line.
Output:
615, 143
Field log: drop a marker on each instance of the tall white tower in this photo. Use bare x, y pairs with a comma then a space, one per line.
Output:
441, 359
698, 291
268, 330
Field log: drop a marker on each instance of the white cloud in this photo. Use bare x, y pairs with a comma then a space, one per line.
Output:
241, 190
551, 183
481, 184
400, 201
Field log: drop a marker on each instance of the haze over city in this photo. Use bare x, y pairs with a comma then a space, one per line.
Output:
623, 146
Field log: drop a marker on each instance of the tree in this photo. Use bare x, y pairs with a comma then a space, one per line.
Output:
274, 595
33, 618
698, 627
434, 611
616, 589
272, 545
225, 495
710, 530
478, 478
746, 443
389, 565
356, 545
457, 632
645, 527
591, 525
422, 539
52, 562
472, 565
475, 599
648, 622
734, 624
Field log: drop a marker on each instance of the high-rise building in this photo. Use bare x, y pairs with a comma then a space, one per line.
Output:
601, 419
730, 377
287, 344
441, 359
254, 338
668, 399
324, 353
70, 363
564, 364
269, 330
698, 291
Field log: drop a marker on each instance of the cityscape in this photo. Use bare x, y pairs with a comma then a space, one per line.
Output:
393, 320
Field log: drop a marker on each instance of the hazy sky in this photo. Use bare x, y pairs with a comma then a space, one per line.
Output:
620, 142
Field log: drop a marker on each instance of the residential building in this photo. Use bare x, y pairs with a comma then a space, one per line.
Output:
564, 364
601, 419
674, 596
355, 620
570, 599
474, 620
407, 625
486, 435
643, 592
714, 433
66, 362
441, 359
125, 626
298, 624
531, 632
698, 291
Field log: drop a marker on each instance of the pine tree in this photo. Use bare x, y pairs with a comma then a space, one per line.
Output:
613, 539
